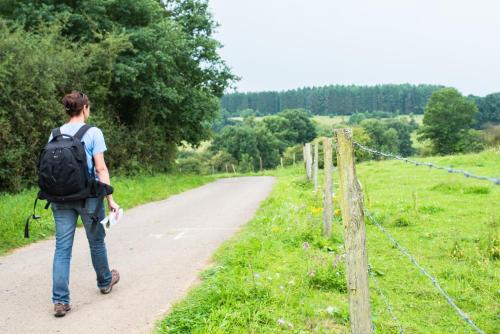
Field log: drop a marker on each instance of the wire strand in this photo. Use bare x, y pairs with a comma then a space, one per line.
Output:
423, 271
429, 164
385, 299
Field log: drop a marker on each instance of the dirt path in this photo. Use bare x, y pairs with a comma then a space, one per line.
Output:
159, 248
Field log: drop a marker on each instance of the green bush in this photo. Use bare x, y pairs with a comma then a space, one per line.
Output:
151, 69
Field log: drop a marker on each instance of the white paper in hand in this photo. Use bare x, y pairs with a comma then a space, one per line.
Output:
112, 219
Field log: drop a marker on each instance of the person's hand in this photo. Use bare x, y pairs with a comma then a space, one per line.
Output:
112, 205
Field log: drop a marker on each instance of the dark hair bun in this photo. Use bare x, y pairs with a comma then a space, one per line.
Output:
74, 103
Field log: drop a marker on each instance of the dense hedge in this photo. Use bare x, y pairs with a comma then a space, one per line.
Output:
151, 69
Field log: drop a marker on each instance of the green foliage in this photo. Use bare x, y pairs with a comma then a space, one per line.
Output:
328, 277
150, 68
222, 161
391, 135
267, 139
290, 152
301, 129
360, 116
448, 117
489, 110
246, 164
492, 135
334, 100
471, 141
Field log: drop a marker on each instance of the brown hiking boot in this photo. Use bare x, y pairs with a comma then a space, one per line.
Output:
115, 278
60, 310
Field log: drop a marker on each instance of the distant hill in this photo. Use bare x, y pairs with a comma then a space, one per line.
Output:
334, 100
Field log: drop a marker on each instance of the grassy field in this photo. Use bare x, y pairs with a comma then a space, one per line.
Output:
279, 275
334, 120
129, 192
330, 121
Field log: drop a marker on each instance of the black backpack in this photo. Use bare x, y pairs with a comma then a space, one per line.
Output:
63, 175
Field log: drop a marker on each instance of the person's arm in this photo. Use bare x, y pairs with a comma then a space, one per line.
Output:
103, 175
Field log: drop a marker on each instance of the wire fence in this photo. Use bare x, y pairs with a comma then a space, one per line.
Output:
431, 165
424, 272
404, 251
371, 273
388, 305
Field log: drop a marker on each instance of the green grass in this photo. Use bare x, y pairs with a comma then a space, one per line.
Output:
129, 192
330, 121
279, 275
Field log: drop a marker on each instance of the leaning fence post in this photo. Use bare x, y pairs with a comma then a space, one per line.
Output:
315, 166
354, 235
294, 158
327, 200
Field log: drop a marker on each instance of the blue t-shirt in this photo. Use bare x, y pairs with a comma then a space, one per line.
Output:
93, 139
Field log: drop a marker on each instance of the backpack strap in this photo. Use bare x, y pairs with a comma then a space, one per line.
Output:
30, 217
81, 132
56, 132
101, 190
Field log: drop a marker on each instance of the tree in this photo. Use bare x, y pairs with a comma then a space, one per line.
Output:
151, 69
249, 142
489, 110
301, 129
334, 100
447, 118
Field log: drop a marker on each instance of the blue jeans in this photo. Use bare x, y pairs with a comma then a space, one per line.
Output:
65, 216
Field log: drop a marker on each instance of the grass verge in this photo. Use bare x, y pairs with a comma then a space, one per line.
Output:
280, 275
129, 192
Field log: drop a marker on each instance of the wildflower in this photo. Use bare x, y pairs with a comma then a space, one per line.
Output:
305, 245
331, 310
282, 287
257, 275
337, 213
281, 322
316, 211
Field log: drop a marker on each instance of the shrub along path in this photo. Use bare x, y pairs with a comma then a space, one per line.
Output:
159, 248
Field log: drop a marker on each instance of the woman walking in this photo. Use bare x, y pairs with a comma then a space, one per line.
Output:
77, 107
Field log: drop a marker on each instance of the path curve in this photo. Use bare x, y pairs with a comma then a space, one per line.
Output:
159, 249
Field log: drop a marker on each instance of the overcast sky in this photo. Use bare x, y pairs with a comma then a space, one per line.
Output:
284, 44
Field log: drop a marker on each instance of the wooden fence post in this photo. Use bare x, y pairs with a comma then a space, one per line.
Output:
294, 158
316, 166
327, 204
260, 160
308, 161
304, 156
234, 168
354, 235
281, 159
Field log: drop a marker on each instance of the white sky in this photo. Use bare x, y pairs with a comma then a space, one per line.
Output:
285, 44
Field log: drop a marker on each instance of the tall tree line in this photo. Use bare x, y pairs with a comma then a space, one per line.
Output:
334, 99
151, 69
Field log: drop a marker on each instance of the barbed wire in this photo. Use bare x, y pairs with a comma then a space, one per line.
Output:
429, 164
385, 300
423, 271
